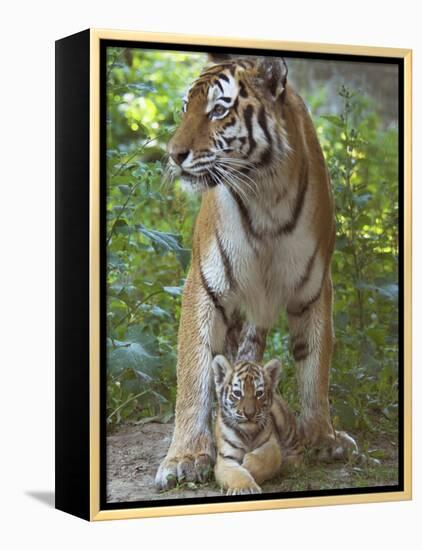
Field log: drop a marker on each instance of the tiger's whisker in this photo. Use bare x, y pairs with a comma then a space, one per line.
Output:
232, 184
240, 178
232, 168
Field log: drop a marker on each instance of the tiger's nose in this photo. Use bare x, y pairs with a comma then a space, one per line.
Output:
179, 156
249, 412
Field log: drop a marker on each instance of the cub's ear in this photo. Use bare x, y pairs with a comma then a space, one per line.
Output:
218, 57
221, 368
273, 369
273, 71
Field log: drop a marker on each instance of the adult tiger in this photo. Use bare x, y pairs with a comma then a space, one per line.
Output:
263, 241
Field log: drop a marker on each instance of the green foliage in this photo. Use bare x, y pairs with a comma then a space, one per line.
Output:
363, 164
149, 228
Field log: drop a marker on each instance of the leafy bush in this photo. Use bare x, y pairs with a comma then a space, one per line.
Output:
149, 228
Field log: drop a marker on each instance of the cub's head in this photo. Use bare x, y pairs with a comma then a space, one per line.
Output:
232, 123
245, 391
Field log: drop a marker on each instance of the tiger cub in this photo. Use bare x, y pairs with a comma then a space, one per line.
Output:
255, 432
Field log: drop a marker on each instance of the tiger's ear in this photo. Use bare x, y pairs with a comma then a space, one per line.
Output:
221, 368
218, 57
273, 71
273, 370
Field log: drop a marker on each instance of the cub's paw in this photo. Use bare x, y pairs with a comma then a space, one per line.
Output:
292, 460
252, 489
196, 467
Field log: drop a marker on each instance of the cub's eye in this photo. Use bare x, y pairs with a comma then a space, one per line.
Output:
259, 394
218, 111
237, 393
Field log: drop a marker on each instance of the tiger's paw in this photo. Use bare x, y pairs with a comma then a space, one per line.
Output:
252, 489
326, 445
340, 447
194, 467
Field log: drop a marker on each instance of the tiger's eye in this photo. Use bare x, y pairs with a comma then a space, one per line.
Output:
218, 110
259, 394
237, 393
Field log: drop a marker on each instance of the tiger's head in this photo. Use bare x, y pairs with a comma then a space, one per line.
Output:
245, 391
232, 123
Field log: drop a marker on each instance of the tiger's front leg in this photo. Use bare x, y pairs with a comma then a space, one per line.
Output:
312, 339
234, 478
264, 462
202, 332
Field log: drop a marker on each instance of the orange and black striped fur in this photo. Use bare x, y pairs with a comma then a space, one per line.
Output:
262, 243
255, 432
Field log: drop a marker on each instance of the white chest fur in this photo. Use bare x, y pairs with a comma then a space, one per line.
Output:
265, 272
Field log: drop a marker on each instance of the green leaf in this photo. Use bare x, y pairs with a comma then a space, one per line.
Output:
168, 242
341, 242
159, 397
122, 180
390, 290
138, 352
377, 335
156, 311
173, 290
342, 319
334, 119
362, 200
121, 226
124, 189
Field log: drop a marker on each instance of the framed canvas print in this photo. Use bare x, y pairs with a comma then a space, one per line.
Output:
233, 274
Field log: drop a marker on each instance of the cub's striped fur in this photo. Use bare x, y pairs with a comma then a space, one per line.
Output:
262, 243
255, 431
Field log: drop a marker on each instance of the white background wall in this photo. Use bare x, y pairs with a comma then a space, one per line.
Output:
27, 37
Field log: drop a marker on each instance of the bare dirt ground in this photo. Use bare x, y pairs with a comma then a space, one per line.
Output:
134, 453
